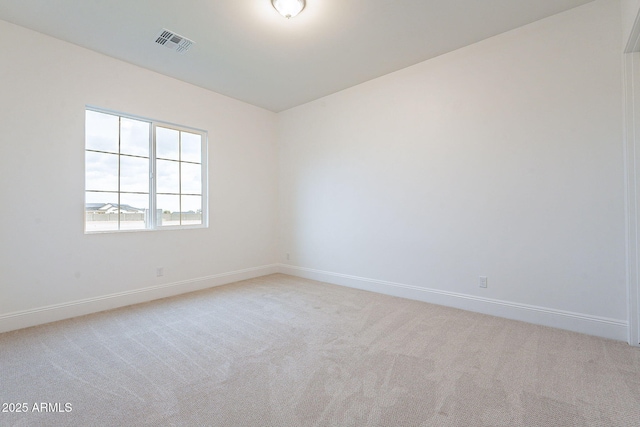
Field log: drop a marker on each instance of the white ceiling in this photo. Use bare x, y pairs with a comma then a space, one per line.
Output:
246, 50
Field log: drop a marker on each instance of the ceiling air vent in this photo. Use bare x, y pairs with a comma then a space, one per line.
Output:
173, 41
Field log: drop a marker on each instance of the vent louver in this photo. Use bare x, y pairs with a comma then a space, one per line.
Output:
173, 41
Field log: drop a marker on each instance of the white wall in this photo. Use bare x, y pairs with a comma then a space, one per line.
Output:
501, 159
630, 11
46, 259
630, 36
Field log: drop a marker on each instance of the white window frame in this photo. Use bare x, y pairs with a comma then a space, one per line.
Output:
151, 221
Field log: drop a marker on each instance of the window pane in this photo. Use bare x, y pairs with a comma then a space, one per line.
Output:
191, 180
134, 137
191, 210
101, 211
168, 177
191, 147
101, 171
101, 131
134, 209
167, 143
170, 208
134, 174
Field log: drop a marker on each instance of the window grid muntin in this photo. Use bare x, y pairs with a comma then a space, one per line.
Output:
151, 221
202, 135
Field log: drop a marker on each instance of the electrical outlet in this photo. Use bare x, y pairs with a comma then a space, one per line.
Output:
483, 281
159, 272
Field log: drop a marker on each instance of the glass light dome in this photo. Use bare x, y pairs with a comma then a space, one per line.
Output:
288, 8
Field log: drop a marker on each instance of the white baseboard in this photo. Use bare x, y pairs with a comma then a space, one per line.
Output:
577, 322
52, 313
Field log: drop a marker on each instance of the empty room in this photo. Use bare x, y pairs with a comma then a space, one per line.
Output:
320, 213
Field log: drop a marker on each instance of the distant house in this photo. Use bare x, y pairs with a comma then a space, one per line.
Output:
106, 208
93, 207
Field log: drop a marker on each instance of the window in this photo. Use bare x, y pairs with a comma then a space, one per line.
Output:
135, 166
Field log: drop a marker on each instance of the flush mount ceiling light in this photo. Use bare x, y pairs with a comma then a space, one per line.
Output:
288, 8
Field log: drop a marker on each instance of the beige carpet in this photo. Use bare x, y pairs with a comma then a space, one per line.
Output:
284, 351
